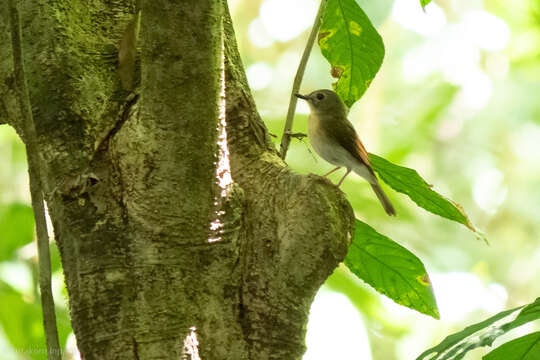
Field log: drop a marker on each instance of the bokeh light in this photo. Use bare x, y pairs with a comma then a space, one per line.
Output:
284, 20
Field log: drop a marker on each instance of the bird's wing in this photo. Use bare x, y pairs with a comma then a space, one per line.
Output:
344, 133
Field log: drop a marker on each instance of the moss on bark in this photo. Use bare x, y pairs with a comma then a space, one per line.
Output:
133, 189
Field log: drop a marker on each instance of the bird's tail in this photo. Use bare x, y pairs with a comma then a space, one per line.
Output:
387, 205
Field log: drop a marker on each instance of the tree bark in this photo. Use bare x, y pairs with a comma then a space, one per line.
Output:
154, 238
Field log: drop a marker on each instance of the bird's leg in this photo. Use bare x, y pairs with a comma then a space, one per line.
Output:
343, 178
331, 171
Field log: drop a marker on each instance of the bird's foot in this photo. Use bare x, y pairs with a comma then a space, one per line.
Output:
297, 135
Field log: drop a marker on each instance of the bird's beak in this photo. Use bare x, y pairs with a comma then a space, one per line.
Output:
304, 97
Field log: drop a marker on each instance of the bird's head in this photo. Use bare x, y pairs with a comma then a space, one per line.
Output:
324, 102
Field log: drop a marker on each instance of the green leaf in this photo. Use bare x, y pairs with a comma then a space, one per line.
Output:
454, 339
408, 182
23, 323
529, 313
455, 346
424, 2
16, 228
391, 269
352, 46
524, 348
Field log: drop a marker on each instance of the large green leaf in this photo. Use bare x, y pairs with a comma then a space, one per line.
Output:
408, 182
353, 47
424, 2
456, 346
524, 348
16, 228
391, 269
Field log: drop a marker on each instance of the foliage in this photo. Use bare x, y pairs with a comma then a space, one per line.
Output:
17, 224
455, 346
408, 182
391, 269
21, 319
23, 324
355, 50
524, 348
352, 46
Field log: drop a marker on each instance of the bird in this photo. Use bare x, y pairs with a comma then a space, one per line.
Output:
334, 139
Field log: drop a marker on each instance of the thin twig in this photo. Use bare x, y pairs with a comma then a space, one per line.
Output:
286, 138
47, 301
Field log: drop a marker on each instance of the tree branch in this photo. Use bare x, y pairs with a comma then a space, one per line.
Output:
286, 138
36, 185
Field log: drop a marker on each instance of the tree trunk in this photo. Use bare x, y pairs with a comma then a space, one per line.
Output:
158, 245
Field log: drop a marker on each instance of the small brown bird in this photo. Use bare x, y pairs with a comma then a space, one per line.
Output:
333, 137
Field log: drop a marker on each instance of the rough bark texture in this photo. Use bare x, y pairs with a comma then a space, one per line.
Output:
133, 192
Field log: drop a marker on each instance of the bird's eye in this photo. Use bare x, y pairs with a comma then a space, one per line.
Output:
320, 96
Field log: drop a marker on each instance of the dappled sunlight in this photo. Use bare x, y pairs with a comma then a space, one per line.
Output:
223, 166
216, 227
223, 170
191, 345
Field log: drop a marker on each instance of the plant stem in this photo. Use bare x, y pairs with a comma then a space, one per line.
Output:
286, 138
34, 160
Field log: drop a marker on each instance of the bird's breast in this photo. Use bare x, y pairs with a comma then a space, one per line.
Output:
325, 146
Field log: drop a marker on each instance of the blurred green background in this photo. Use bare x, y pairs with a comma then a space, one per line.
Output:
456, 99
